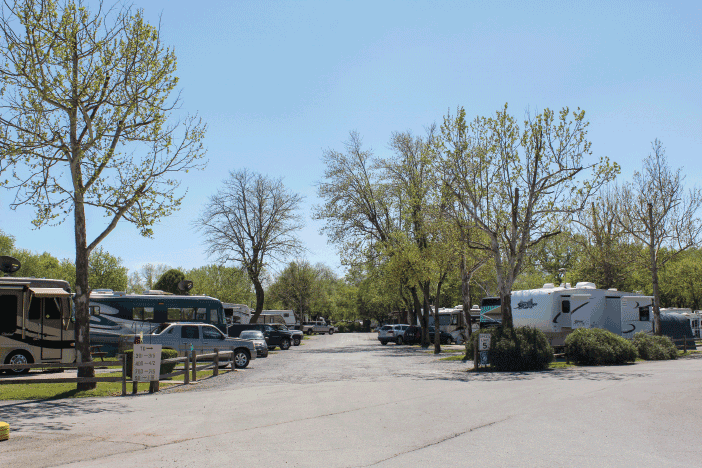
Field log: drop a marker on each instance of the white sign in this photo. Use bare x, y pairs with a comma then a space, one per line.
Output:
484, 342
146, 363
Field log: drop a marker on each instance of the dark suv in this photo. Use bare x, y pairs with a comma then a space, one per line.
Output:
444, 338
413, 335
273, 336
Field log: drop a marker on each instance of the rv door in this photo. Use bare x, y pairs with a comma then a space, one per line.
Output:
580, 310
637, 315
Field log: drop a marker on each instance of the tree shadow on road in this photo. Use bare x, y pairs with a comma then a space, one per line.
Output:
50, 415
466, 375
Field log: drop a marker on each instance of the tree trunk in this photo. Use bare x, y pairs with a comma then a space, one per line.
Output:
437, 324
466, 297
506, 306
654, 273
82, 297
425, 315
259, 299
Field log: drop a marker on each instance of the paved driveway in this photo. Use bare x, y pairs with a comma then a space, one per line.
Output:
345, 401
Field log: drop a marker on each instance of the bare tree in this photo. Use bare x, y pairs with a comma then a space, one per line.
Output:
656, 211
252, 221
84, 120
519, 185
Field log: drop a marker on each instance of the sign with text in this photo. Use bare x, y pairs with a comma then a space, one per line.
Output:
146, 365
484, 342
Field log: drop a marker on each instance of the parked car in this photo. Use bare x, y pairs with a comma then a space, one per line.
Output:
319, 326
412, 335
444, 337
259, 341
202, 338
297, 335
394, 333
274, 337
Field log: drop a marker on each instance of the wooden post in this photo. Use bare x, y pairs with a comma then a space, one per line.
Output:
124, 374
194, 362
134, 386
215, 371
475, 355
186, 377
684, 344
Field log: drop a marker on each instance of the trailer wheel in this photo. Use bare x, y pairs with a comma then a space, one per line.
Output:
19, 357
309, 331
241, 358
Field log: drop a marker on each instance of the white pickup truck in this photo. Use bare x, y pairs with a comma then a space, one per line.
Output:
202, 338
319, 326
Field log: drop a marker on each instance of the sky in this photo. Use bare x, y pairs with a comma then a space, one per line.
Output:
280, 82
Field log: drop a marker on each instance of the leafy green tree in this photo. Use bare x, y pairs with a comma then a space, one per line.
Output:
519, 184
106, 271
168, 282
85, 125
224, 283
657, 212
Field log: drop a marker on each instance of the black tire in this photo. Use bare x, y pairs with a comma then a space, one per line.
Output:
241, 358
296, 341
285, 344
399, 340
331, 332
309, 331
19, 357
383, 343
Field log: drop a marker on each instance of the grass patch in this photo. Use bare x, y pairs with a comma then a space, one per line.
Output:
560, 365
459, 357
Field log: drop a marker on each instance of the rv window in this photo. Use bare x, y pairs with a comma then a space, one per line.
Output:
201, 314
644, 314
188, 313
173, 315
137, 313
286, 315
34, 309
52, 308
190, 332
8, 320
149, 314
565, 307
220, 316
94, 310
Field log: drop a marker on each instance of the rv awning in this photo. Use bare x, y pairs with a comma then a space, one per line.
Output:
50, 292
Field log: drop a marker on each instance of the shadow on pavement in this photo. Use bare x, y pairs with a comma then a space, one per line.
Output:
50, 415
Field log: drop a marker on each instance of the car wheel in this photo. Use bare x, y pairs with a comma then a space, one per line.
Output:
296, 341
309, 332
285, 344
241, 359
383, 343
18, 357
399, 340
331, 332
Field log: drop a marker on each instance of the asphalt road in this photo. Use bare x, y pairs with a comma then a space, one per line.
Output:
346, 401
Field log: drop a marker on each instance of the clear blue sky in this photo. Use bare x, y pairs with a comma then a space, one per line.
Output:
279, 82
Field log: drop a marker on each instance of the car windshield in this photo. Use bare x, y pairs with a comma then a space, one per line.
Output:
251, 335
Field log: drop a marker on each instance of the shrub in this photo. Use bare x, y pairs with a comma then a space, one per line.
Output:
352, 327
515, 349
165, 354
594, 346
654, 348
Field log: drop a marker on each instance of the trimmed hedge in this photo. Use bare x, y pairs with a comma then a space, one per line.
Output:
515, 349
654, 348
594, 346
165, 354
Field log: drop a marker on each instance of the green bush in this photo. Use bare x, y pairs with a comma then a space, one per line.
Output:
165, 354
515, 349
352, 327
654, 348
594, 346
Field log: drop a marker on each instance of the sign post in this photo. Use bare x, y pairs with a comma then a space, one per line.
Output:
146, 363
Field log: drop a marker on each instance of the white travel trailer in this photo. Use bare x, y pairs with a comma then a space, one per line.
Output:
558, 310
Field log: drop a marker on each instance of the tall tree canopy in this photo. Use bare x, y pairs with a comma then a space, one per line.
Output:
84, 117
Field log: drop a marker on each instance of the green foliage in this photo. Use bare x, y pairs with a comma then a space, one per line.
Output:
654, 348
224, 283
165, 354
106, 271
168, 282
515, 349
353, 327
594, 346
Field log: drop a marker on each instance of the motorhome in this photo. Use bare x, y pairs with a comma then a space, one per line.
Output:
558, 310
115, 313
36, 324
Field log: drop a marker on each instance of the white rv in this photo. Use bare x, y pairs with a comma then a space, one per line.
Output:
558, 310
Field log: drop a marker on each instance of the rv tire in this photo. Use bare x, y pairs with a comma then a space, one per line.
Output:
19, 357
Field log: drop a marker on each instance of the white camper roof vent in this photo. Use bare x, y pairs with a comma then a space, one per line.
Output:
548, 286
585, 285
612, 289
